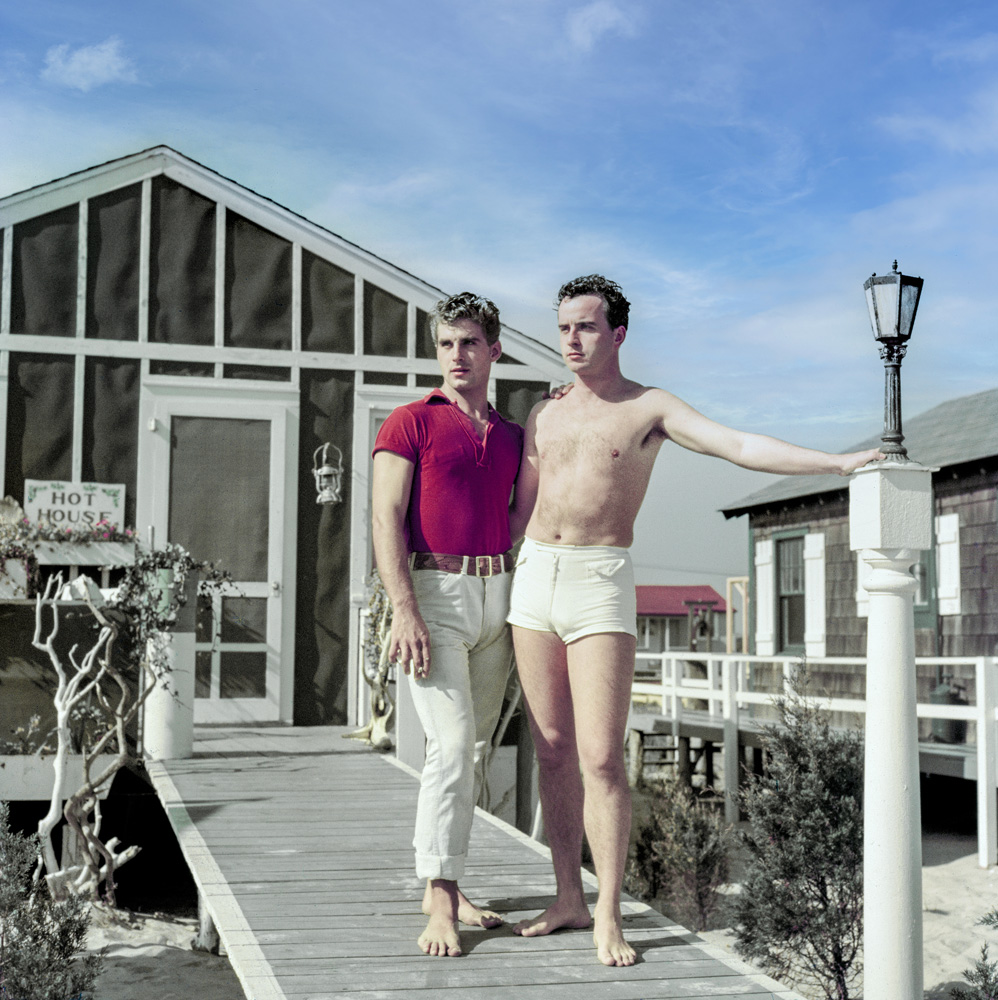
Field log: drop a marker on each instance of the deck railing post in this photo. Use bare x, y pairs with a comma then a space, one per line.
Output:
890, 519
987, 772
729, 687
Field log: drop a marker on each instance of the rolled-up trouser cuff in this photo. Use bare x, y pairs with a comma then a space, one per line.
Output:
430, 866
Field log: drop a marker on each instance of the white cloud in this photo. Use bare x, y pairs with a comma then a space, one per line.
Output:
974, 131
588, 24
984, 48
88, 66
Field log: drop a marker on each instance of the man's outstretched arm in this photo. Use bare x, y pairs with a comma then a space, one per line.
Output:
391, 486
759, 452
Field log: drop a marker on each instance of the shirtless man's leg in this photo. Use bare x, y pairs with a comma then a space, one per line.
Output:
578, 698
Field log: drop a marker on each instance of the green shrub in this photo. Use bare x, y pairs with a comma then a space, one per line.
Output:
681, 854
40, 940
983, 978
800, 912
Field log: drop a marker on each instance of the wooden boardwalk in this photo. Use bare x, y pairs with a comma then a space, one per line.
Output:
300, 843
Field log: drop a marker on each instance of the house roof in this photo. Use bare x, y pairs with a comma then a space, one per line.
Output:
671, 600
51, 195
952, 433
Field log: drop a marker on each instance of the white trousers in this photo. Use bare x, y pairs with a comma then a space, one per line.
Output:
458, 706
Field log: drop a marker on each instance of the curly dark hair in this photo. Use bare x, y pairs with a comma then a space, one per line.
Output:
466, 305
615, 306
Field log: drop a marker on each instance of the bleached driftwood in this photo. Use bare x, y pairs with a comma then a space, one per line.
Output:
382, 706
85, 679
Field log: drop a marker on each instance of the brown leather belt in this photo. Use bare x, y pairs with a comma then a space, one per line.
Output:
469, 565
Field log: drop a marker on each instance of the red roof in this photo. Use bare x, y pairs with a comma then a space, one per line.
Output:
670, 600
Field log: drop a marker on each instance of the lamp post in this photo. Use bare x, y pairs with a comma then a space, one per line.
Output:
893, 301
890, 520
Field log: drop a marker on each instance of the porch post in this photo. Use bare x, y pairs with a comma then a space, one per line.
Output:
890, 519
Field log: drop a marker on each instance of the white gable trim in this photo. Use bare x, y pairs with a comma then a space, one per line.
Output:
540, 362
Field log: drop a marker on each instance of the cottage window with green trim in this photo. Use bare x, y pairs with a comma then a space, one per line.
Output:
790, 593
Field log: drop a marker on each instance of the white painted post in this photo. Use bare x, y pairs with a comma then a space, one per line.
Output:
730, 756
987, 773
168, 712
890, 519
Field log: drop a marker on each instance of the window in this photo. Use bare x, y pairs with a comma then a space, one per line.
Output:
790, 593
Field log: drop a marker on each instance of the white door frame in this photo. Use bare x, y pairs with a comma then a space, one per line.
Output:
158, 404
372, 403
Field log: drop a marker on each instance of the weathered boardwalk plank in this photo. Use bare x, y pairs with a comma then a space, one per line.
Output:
299, 842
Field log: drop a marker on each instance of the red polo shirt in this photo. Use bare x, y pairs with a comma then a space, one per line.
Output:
461, 487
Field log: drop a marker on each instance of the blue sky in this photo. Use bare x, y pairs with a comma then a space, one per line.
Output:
739, 167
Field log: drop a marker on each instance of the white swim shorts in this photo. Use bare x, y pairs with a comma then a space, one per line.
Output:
573, 590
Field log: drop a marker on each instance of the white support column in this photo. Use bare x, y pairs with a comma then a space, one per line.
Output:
890, 519
987, 773
730, 758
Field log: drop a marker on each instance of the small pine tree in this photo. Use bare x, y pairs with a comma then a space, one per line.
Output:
800, 914
983, 978
681, 855
40, 939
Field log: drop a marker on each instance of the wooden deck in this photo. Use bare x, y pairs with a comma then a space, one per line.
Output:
300, 843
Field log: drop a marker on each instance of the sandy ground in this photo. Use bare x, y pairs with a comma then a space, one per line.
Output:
151, 957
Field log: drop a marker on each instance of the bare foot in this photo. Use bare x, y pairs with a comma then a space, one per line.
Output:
559, 914
611, 948
467, 912
440, 939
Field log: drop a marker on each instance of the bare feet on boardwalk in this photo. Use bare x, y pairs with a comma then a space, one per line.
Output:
611, 948
467, 912
554, 918
440, 938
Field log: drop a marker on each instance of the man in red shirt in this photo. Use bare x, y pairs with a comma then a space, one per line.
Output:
444, 469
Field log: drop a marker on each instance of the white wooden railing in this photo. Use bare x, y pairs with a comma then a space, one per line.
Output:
728, 691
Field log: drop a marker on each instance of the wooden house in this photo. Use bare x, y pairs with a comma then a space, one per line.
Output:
165, 328
806, 584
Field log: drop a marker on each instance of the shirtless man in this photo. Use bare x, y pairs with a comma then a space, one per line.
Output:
444, 468
588, 458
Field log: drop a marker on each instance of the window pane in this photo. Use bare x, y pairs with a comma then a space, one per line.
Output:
199, 369
202, 674
113, 264
43, 275
220, 492
111, 426
790, 555
327, 320
790, 587
243, 675
424, 339
244, 619
792, 621
181, 266
204, 620
259, 373
384, 322
39, 419
257, 286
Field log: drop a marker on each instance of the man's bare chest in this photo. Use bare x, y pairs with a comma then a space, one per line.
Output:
595, 438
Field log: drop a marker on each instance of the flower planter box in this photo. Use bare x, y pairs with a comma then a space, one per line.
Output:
27, 778
85, 553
